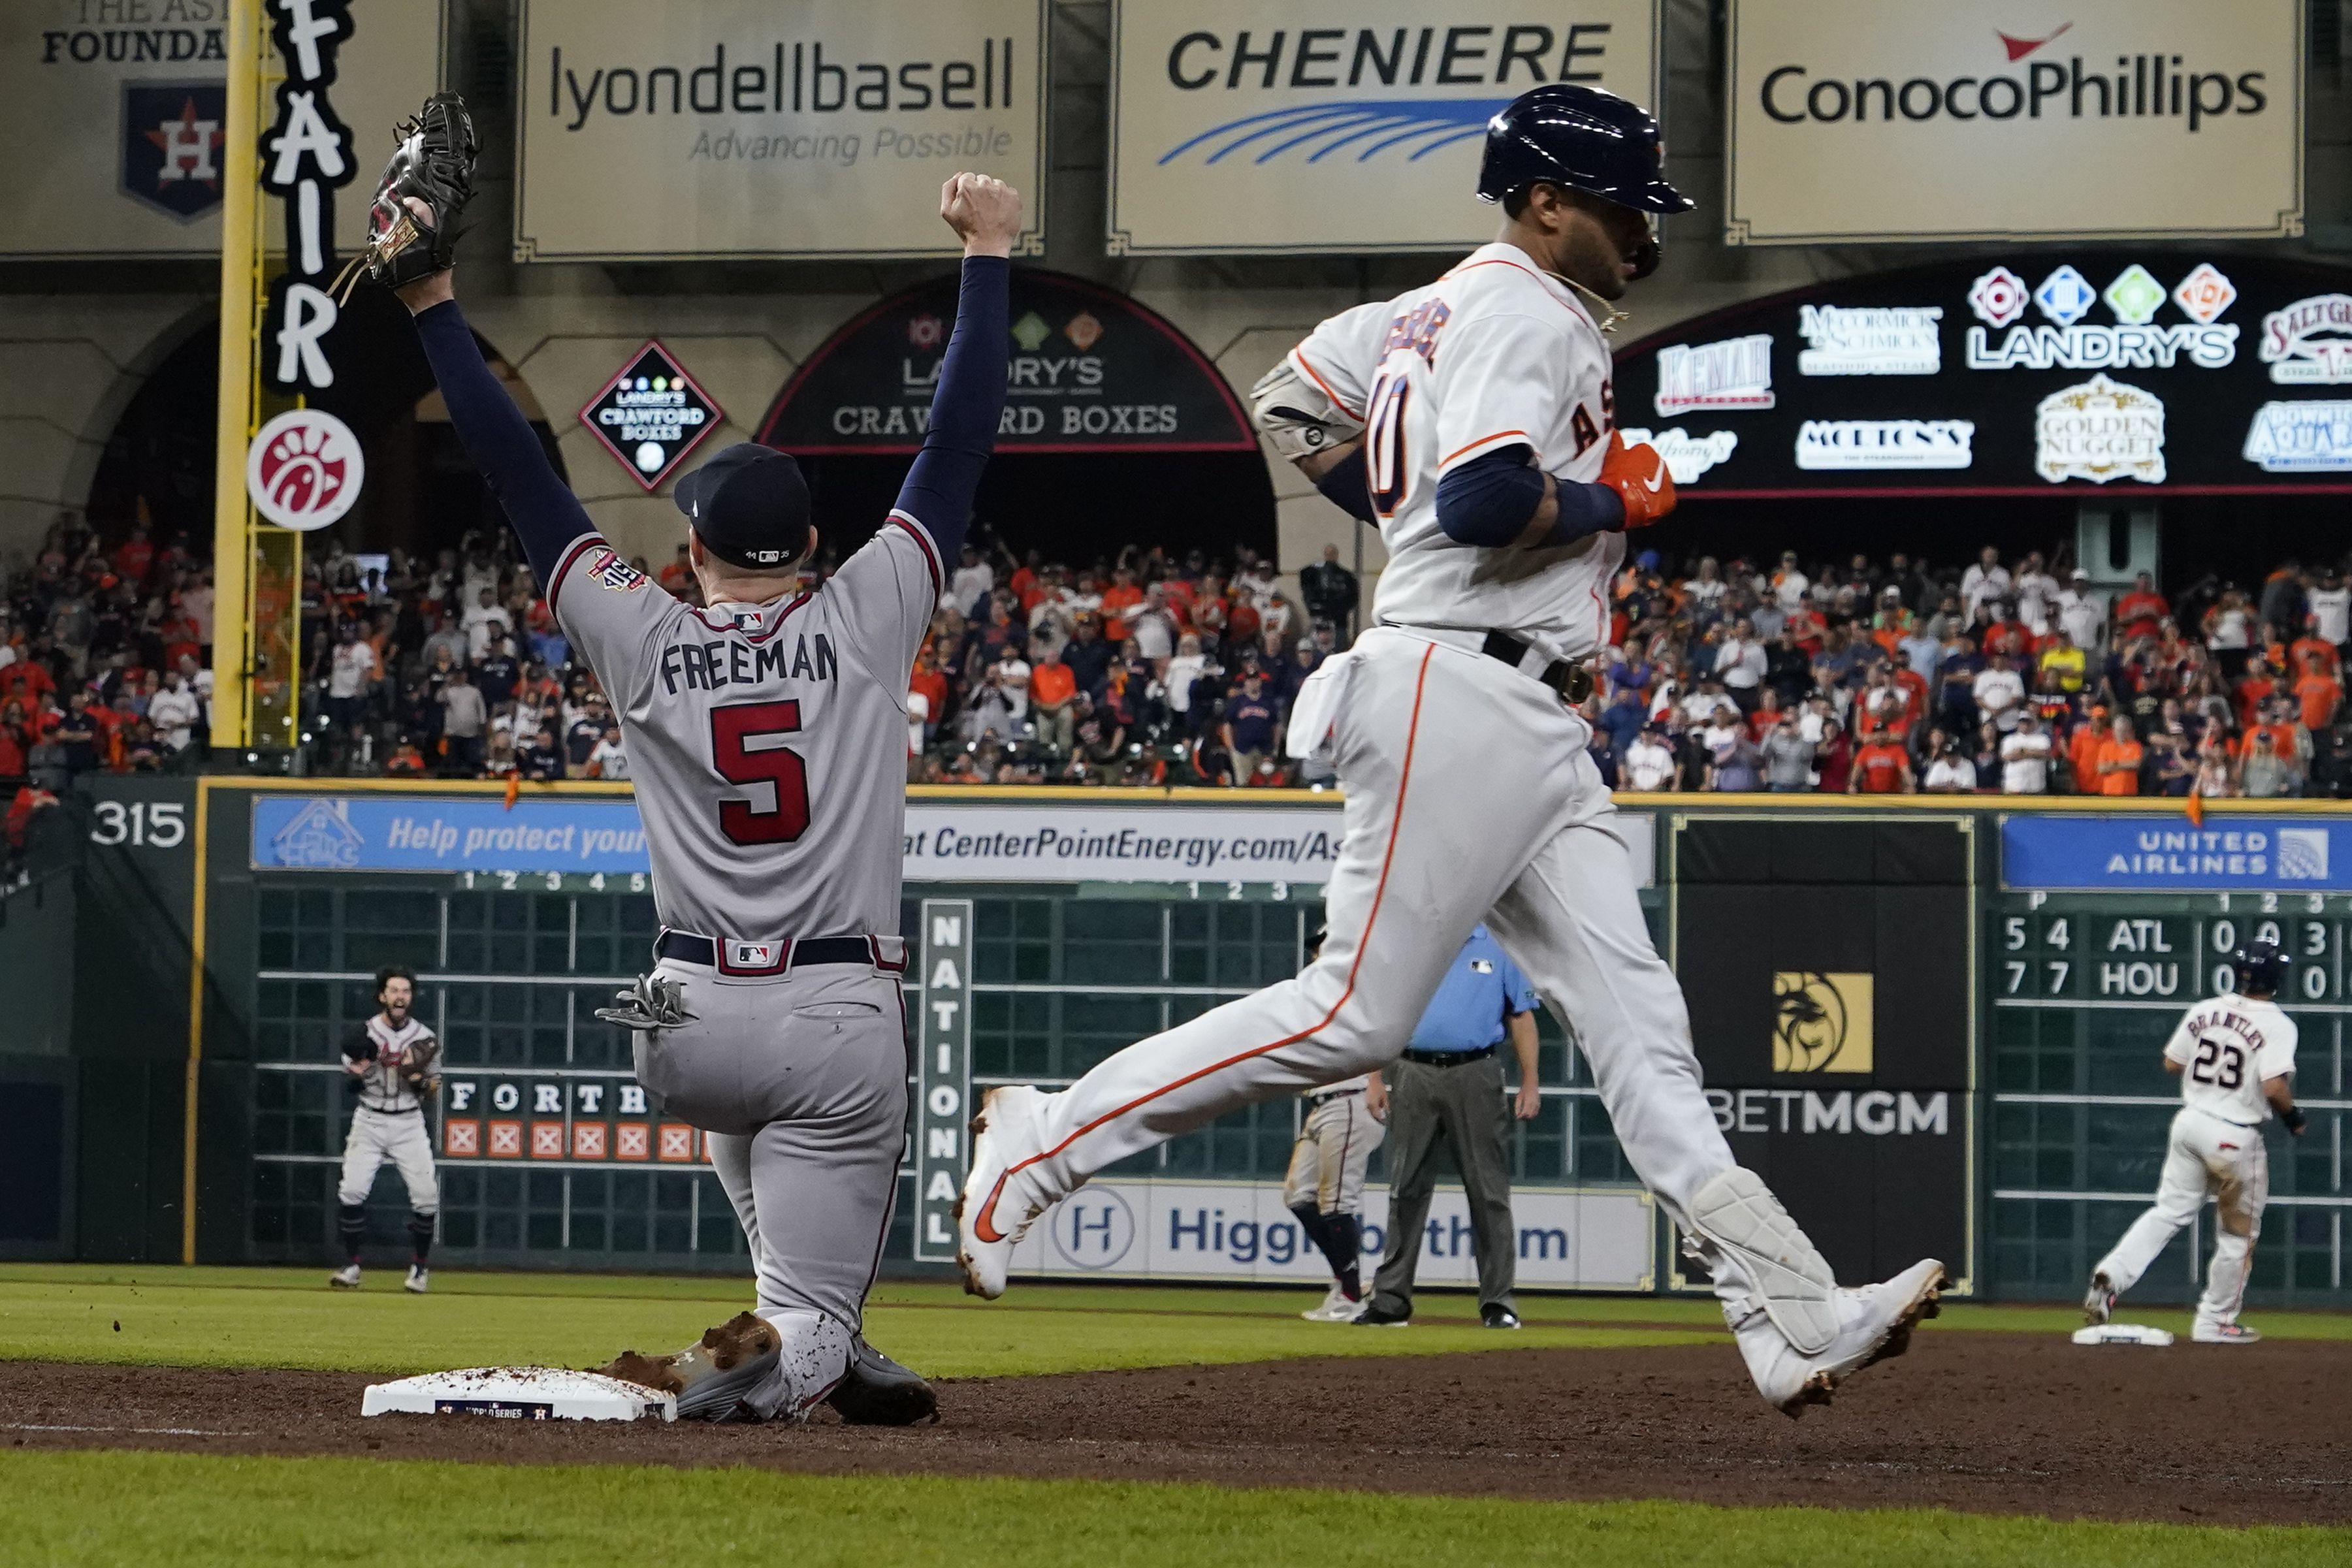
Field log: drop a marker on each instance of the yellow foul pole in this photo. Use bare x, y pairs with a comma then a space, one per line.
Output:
239, 276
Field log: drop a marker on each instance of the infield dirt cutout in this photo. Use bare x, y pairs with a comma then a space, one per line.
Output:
1998, 1423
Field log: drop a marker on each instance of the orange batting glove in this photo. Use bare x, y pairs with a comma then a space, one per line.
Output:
1638, 477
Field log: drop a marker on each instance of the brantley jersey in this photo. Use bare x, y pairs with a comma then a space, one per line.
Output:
1495, 353
382, 1088
2226, 1048
760, 736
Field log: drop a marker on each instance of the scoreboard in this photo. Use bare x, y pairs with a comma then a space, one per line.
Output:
2075, 947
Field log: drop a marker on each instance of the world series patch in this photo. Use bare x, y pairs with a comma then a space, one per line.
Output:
610, 572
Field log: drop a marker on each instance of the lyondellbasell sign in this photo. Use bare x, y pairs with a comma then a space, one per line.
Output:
1856, 121
651, 414
2011, 374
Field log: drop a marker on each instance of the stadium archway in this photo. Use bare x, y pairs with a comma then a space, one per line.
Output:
422, 492
1117, 428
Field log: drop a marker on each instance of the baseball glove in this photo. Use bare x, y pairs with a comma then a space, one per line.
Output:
420, 1067
434, 164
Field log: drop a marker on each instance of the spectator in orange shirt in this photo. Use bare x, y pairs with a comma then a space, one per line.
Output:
931, 683
2118, 759
1053, 697
2311, 649
677, 576
2082, 750
2259, 686
1881, 767
2319, 694
2140, 611
1120, 597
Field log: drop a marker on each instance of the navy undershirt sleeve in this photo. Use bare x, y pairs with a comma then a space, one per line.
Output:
545, 515
965, 408
1489, 500
1348, 484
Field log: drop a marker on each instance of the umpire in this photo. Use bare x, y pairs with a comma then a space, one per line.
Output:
1448, 1094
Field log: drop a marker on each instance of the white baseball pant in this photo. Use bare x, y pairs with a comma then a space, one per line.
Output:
1334, 1149
400, 1136
2206, 1154
1469, 797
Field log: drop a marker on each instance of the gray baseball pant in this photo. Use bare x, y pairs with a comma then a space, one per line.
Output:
801, 1082
1462, 1109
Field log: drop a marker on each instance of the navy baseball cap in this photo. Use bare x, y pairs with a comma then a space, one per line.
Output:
749, 507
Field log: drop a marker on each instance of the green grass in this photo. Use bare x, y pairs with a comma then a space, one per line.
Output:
113, 1508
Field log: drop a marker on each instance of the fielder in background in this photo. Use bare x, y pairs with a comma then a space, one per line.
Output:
1473, 420
1448, 1096
767, 738
2234, 1055
1325, 1188
395, 1064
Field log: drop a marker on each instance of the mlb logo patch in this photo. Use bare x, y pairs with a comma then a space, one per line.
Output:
2303, 855
547, 1140
676, 1143
609, 572
632, 1141
172, 136
506, 1140
755, 955
461, 1139
588, 1140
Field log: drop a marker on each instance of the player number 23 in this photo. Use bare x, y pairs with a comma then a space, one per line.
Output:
747, 747
2219, 1063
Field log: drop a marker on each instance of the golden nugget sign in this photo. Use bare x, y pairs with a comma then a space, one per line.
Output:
1337, 125
1855, 120
770, 128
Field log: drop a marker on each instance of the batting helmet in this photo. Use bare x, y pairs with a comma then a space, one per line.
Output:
1582, 139
2260, 968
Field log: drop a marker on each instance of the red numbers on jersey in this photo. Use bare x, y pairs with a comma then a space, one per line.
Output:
733, 732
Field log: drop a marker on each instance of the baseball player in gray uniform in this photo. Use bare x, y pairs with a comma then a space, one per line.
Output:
767, 739
1325, 1187
395, 1064
1473, 420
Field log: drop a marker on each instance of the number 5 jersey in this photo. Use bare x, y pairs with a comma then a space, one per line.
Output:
2226, 1048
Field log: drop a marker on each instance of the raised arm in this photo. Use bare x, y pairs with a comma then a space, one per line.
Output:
969, 399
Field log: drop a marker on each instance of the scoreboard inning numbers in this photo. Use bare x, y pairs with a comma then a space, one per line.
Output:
2089, 947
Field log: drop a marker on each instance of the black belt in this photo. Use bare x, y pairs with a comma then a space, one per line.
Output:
1573, 682
775, 958
1449, 1058
1317, 1096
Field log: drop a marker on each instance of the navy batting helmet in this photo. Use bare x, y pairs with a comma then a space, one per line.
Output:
1580, 138
2260, 968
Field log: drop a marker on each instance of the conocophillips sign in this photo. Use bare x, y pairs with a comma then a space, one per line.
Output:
1853, 119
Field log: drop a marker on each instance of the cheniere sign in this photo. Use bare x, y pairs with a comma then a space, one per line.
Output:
1855, 120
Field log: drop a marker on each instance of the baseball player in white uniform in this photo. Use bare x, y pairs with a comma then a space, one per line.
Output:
2234, 1055
1488, 457
1325, 1187
766, 736
395, 1064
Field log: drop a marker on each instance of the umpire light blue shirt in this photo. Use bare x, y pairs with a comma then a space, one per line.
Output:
1481, 989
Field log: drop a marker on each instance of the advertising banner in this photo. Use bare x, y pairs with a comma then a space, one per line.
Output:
2227, 854
1829, 969
1588, 1239
1091, 371
114, 114
2116, 367
1856, 121
1056, 840
771, 127
1337, 126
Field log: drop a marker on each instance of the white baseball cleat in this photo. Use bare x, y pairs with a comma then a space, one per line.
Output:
2223, 1333
1337, 1307
2099, 1301
1874, 1323
346, 1277
994, 1211
419, 1280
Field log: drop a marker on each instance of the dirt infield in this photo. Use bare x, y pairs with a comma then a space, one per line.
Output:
2003, 1423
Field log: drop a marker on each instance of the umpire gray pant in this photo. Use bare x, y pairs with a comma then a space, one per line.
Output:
1460, 1109
801, 1082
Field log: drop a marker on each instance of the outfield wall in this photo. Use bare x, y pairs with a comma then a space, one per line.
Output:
1930, 1022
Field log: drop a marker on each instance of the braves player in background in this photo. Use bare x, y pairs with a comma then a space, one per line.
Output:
1324, 1188
766, 736
393, 1062
2234, 1056
1473, 420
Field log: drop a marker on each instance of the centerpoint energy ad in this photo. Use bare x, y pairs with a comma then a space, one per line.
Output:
819, 127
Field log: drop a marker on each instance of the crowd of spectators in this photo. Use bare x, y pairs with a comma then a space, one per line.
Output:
2003, 675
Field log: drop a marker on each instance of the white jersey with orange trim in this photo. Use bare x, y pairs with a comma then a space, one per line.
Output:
757, 735
2226, 1048
1495, 353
